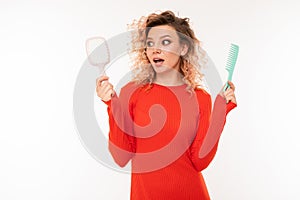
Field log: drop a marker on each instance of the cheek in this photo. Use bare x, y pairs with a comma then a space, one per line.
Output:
147, 53
173, 49
172, 55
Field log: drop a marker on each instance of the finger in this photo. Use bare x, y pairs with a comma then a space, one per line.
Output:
229, 92
107, 88
100, 79
226, 93
231, 98
101, 93
230, 95
106, 83
107, 96
101, 90
103, 87
231, 85
113, 93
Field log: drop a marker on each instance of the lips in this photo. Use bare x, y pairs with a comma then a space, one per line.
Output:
158, 61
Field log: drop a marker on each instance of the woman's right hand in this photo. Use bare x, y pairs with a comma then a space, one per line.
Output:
104, 88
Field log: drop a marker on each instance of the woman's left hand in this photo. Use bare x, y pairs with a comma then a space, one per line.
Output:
229, 93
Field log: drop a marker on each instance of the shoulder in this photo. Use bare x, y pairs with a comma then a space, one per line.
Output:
131, 91
202, 94
203, 97
131, 87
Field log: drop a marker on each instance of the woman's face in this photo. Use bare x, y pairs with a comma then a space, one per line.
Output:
164, 48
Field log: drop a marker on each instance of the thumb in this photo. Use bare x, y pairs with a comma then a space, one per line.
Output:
100, 79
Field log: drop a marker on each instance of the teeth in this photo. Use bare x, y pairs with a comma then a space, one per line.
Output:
158, 60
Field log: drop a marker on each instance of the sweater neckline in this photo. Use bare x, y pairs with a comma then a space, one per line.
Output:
170, 86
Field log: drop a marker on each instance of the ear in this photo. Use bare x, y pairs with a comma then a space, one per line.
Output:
184, 49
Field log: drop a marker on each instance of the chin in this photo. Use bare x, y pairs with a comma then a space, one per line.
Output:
162, 69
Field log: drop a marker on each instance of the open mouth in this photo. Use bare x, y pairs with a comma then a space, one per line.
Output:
158, 60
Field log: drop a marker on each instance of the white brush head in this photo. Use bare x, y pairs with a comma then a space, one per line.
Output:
98, 53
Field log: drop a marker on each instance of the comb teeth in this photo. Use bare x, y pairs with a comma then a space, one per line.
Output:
232, 57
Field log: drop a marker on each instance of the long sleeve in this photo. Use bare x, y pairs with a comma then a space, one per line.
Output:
121, 140
171, 127
210, 127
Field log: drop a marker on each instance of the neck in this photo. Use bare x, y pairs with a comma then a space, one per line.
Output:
169, 78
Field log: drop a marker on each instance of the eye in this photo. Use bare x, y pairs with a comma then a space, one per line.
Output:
166, 42
149, 44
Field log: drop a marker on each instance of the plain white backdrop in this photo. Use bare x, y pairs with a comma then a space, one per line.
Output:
42, 50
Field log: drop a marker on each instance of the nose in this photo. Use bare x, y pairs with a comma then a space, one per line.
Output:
156, 49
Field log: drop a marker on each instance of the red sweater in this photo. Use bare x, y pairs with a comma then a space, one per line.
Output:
169, 134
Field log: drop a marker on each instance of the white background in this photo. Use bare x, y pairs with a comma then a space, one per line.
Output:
42, 51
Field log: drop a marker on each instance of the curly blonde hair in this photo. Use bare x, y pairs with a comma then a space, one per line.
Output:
190, 64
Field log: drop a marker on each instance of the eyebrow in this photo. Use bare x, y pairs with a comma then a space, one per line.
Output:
160, 37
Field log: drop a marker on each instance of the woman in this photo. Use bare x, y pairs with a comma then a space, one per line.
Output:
163, 119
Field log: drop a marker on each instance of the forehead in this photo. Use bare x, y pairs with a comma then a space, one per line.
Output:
162, 30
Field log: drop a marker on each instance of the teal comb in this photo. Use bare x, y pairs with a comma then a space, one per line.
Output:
231, 60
